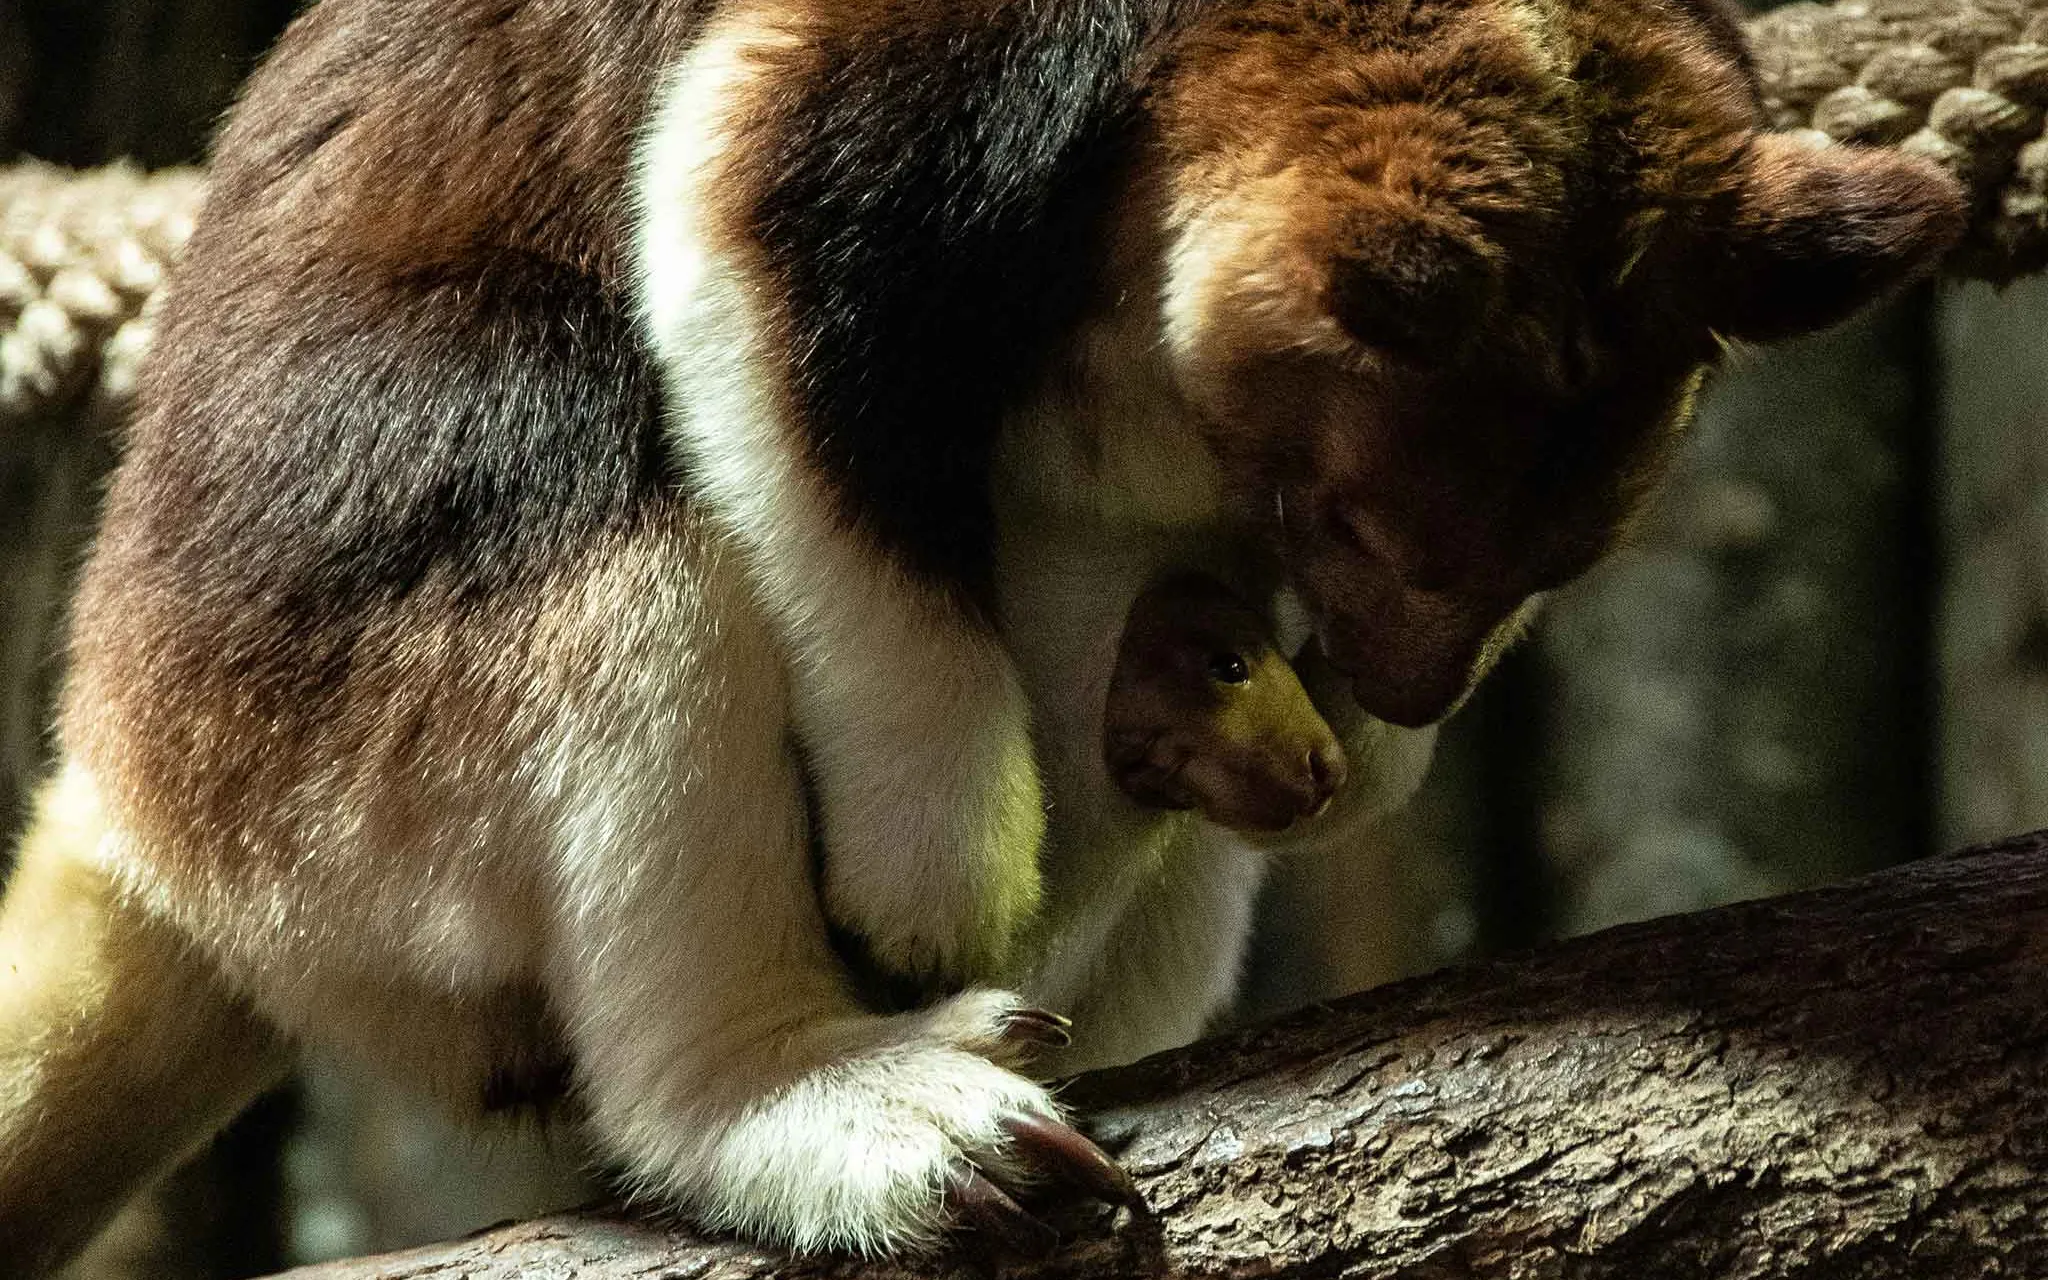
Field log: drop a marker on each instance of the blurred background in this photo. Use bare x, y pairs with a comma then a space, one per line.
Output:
1824, 650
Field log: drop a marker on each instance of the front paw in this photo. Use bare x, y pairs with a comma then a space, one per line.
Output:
1041, 1152
891, 1151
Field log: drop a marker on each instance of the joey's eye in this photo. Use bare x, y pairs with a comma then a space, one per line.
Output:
1228, 668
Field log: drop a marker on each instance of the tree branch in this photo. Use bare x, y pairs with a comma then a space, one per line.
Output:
1847, 1082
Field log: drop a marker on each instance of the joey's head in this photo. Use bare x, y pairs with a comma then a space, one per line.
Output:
1205, 713
1442, 277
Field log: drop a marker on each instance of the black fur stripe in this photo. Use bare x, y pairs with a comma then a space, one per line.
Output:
931, 210
458, 433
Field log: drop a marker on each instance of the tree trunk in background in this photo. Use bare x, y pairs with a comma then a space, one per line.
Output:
1736, 700
50, 471
373, 1169
15, 71
1993, 620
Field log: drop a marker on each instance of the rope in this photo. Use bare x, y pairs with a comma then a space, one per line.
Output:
82, 256
1964, 82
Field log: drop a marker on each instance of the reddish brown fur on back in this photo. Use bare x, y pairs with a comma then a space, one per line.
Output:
502, 125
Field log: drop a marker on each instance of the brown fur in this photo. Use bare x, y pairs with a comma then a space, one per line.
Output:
397, 505
419, 738
1477, 269
515, 121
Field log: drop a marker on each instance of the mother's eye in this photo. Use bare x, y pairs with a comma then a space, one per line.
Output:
1228, 668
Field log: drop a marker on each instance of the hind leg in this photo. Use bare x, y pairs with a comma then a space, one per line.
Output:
120, 1049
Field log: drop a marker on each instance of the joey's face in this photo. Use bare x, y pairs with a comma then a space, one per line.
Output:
1442, 311
1203, 712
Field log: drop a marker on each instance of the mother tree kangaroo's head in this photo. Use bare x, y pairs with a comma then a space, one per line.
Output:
1444, 275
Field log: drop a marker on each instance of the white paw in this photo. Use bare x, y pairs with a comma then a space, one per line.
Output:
885, 1151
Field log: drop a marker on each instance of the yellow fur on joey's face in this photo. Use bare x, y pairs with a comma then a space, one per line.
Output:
1204, 712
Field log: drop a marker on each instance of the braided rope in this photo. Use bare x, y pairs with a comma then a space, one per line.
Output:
82, 256
1964, 82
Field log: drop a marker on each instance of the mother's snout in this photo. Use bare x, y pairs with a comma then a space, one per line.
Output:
1411, 655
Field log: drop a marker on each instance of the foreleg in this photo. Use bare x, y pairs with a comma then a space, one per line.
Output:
913, 720
719, 1053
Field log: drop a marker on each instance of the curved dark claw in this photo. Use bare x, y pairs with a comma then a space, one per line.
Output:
981, 1205
1066, 1156
1037, 1027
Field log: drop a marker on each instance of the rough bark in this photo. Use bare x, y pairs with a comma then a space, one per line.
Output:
1849, 1082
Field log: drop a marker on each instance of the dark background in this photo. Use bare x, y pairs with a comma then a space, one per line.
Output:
83, 82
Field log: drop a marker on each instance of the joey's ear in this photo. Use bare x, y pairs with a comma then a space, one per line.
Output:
1410, 278
1819, 231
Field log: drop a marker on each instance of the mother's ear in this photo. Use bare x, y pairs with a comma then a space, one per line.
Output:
1411, 278
1819, 231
